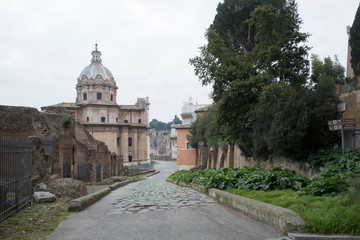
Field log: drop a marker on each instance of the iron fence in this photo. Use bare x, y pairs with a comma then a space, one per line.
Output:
15, 175
83, 171
138, 168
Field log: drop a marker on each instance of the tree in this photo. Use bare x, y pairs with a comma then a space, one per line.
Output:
354, 43
280, 48
230, 20
176, 120
264, 99
204, 129
328, 70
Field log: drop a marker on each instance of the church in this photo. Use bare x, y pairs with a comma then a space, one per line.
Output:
123, 128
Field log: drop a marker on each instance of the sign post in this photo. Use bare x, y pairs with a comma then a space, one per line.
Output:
342, 124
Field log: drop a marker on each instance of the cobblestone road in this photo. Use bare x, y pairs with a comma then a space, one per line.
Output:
155, 209
155, 194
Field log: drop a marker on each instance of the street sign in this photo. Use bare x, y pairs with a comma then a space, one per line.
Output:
343, 124
348, 123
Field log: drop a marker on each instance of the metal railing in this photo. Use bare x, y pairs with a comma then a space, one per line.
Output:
138, 168
15, 175
349, 86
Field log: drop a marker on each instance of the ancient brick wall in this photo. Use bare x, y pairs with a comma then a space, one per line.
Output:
73, 143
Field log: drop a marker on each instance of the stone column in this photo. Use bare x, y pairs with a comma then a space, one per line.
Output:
135, 144
124, 145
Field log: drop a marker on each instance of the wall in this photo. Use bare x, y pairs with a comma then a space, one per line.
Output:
228, 155
186, 158
352, 99
73, 144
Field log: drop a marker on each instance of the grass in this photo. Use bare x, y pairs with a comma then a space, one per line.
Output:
323, 215
34, 222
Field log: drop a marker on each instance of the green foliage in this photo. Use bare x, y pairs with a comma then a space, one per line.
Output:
66, 121
249, 178
323, 215
280, 50
354, 43
334, 160
327, 71
204, 130
230, 20
329, 182
339, 171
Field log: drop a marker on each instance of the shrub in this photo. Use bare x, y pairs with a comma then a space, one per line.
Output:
249, 178
329, 182
66, 121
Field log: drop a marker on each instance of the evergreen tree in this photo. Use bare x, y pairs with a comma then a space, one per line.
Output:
354, 43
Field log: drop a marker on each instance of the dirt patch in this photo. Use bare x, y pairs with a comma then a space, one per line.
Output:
34, 222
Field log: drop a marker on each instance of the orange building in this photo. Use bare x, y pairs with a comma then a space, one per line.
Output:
186, 156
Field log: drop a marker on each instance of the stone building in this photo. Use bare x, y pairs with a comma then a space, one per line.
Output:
123, 128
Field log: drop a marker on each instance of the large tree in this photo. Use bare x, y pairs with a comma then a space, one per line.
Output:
355, 43
264, 99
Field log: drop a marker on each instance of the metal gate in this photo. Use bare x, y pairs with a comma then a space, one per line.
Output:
15, 175
98, 172
65, 169
83, 171
47, 145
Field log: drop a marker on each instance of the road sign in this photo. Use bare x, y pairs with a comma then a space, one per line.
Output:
348, 123
343, 124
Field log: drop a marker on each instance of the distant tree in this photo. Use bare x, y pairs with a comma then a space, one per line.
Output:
157, 125
176, 120
354, 43
331, 70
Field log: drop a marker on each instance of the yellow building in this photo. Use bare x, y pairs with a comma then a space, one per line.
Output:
123, 128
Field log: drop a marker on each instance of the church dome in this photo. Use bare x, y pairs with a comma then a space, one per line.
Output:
96, 68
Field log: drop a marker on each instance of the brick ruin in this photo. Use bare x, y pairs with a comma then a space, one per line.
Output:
72, 145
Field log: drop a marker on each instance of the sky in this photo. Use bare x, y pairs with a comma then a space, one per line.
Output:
146, 44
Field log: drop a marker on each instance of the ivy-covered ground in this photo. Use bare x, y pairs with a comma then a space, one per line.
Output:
329, 202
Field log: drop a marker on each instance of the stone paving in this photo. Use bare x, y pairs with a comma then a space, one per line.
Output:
155, 194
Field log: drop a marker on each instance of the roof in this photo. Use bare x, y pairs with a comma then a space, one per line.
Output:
203, 109
61, 105
187, 126
96, 68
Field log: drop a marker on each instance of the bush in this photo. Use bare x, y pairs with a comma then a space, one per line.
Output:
249, 178
329, 182
66, 121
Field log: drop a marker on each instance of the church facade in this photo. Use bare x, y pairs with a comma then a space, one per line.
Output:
123, 128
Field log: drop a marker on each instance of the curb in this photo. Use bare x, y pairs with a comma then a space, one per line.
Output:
303, 236
282, 219
83, 202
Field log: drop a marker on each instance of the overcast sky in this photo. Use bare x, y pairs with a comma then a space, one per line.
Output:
146, 44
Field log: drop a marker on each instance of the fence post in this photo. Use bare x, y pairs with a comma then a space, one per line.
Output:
17, 172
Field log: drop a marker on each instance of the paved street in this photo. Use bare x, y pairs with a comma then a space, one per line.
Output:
155, 209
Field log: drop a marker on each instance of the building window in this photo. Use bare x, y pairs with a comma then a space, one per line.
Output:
139, 120
187, 144
111, 98
117, 119
118, 141
102, 119
98, 96
130, 158
125, 121
84, 96
130, 142
87, 118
